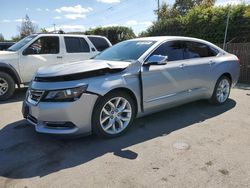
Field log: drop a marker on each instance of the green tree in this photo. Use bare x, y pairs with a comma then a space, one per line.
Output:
183, 6
247, 11
207, 3
206, 22
44, 30
27, 27
209, 23
15, 38
1, 37
115, 34
165, 11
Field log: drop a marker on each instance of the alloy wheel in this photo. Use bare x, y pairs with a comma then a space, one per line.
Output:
3, 86
223, 90
115, 115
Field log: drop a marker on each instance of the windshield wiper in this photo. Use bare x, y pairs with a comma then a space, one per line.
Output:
129, 60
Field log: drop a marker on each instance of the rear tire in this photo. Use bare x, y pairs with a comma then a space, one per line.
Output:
113, 114
7, 86
221, 91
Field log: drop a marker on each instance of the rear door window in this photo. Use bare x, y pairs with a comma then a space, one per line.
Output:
99, 43
76, 45
198, 50
173, 49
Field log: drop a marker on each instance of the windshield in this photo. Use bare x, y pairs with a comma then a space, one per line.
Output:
21, 43
125, 51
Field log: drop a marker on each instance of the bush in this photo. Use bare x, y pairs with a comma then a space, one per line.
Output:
115, 34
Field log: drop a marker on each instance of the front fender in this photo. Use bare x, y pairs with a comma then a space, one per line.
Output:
104, 85
8, 68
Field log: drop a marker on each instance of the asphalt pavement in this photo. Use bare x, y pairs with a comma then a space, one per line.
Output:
194, 145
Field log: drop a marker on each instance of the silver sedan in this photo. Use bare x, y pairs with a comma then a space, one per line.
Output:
131, 79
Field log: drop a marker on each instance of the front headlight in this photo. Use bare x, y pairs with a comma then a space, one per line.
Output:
64, 95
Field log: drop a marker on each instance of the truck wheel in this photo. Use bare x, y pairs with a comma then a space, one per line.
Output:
7, 86
113, 115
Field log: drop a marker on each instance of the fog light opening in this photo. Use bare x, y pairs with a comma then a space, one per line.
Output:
60, 125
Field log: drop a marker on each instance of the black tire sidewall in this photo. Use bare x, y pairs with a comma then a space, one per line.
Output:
11, 85
96, 126
214, 99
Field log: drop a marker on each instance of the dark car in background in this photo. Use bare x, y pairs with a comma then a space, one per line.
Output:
5, 45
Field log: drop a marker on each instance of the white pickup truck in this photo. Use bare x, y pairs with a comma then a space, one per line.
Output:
19, 63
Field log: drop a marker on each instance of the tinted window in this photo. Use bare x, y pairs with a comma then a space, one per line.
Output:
197, 50
76, 45
174, 50
45, 45
212, 51
125, 51
99, 43
85, 45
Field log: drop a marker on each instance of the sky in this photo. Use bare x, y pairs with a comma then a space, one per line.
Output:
80, 15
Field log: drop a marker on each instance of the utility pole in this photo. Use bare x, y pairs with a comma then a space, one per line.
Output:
54, 27
225, 36
158, 10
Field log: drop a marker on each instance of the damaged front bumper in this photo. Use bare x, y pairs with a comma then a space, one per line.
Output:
62, 118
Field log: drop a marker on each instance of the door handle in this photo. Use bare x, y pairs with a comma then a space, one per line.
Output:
211, 63
182, 66
59, 57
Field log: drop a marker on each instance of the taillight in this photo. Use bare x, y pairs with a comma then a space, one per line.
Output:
238, 60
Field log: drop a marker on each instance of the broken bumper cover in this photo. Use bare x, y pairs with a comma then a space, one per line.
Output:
62, 118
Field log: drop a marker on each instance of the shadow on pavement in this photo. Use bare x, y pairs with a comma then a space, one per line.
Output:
19, 95
25, 154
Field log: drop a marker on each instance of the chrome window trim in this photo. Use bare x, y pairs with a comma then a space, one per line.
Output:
186, 40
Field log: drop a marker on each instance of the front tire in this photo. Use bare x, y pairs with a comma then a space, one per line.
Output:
221, 91
113, 114
7, 86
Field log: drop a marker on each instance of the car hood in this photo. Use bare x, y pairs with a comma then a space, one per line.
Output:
86, 66
5, 55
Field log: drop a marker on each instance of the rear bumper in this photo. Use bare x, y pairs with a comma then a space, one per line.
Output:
235, 73
61, 118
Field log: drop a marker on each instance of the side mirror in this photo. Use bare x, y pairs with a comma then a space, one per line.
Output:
29, 51
156, 60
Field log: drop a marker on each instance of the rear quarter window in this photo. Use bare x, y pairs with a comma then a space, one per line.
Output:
198, 50
99, 43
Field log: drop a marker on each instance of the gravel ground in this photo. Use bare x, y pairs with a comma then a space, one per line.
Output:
194, 145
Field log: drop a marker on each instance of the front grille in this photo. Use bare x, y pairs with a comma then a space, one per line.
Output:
35, 95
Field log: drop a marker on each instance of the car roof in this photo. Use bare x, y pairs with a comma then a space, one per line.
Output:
160, 39
70, 35
164, 38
